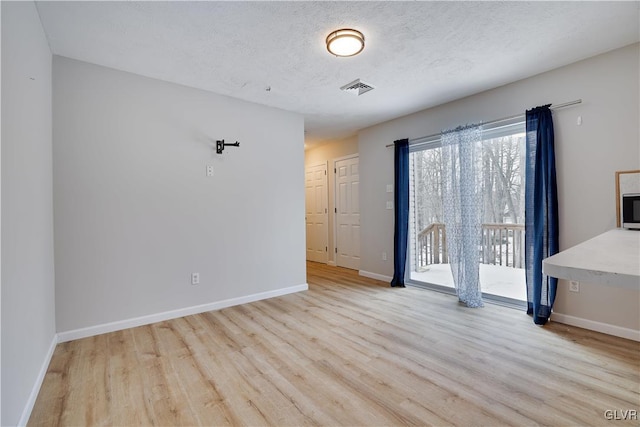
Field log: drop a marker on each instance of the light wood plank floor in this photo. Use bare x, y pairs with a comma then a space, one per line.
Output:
350, 351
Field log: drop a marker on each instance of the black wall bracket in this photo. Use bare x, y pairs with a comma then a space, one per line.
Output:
220, 144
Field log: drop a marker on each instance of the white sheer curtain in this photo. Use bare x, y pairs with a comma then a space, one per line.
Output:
463, 208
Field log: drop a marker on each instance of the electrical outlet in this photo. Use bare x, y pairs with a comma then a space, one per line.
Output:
574, 286
209, 170
384, 256
195, 278
389, 188
389, 205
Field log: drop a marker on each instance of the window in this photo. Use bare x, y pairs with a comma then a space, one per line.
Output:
501, 249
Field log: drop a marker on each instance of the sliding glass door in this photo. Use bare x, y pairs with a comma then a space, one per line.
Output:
501, 249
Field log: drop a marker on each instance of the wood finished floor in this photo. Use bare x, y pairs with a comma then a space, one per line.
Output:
350, 351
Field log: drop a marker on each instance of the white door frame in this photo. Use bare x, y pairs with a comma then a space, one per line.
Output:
326, 215
335, 205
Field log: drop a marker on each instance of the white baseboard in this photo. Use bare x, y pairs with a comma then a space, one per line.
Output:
605, 328
332, 263
375, 276
26, 413
173, 314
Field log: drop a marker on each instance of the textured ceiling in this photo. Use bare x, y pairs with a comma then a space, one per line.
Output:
417, 54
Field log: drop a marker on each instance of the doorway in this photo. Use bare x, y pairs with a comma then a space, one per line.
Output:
501, 246
316, 212
347, 212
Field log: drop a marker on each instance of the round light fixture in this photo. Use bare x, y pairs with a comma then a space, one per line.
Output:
345, 42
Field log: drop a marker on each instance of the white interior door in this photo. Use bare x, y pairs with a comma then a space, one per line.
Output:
316, 216
347, 213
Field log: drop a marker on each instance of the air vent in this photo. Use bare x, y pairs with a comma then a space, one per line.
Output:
357, 87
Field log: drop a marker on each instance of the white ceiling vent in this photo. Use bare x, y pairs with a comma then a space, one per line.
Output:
357, 87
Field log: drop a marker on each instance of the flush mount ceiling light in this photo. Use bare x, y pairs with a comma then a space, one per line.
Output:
345, 42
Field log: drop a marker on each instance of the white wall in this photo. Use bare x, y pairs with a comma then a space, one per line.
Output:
28, 314
587, 158
135, 214
327, 153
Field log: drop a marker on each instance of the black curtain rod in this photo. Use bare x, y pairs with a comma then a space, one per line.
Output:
504, 119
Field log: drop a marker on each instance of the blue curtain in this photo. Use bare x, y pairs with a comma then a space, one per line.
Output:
462, 206
401, 211
541, 212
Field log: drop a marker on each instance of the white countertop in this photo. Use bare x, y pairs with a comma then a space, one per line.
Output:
612, 258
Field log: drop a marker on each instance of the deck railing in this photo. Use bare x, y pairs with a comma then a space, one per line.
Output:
432, 246
501, 244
